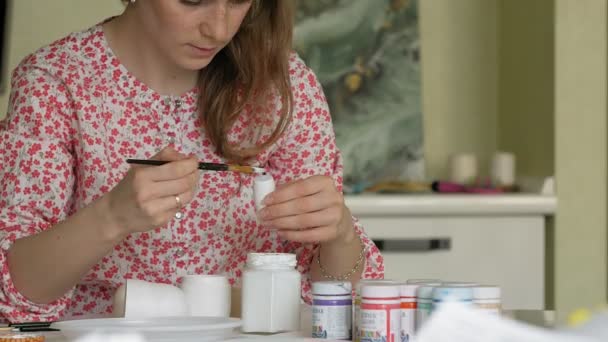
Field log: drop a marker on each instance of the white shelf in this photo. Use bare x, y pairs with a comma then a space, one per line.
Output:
488, 239
451, 204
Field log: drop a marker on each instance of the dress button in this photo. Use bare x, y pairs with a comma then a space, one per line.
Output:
179, 215
178, 103
171, 140
180, 253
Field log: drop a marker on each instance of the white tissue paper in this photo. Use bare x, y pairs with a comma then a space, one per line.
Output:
596, 327
456, 322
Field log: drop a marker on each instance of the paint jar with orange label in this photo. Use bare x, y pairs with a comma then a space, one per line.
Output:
487, 298
380, 315
408, 311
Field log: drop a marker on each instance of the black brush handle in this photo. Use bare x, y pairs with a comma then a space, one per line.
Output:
36, 329
213, 166
201, 166
147, 162
30, 324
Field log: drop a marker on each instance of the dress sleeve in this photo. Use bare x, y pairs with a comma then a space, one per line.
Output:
36, 177
307, 149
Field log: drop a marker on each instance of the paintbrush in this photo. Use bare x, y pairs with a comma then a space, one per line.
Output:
29, 327
204, 166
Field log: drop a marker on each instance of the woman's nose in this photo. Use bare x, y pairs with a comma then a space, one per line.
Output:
215, 24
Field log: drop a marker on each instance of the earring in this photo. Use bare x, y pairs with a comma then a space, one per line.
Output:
132, 1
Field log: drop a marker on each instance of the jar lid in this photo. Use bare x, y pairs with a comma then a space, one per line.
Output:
373, 281
271, 259
332, 288
486, 292
380, 291
433, 282
425, 292
408, 290
452, 294
459, 284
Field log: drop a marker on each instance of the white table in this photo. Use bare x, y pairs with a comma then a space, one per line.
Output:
536, 317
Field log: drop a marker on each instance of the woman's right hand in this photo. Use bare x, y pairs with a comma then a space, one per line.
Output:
147, 197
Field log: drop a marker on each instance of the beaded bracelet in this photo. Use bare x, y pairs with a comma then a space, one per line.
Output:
347, 275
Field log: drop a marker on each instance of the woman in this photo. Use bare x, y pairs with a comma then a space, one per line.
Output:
176, 80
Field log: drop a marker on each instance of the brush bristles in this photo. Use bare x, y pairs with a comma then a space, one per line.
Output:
247, 169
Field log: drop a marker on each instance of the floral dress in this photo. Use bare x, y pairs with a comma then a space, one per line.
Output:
76, 114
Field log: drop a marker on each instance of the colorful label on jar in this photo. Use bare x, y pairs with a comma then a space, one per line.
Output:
331, 319
423, 311
379, 325
356, 319
491, 308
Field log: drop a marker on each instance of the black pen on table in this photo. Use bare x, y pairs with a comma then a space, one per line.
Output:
31, 326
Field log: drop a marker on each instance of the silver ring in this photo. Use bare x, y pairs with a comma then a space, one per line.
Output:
179, 202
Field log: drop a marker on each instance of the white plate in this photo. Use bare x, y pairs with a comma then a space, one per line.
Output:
155, 329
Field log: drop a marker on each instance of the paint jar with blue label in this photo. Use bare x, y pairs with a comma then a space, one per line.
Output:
452, 294
332, 305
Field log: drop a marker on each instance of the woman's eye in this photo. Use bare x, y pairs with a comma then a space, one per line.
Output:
198, 2
192, 2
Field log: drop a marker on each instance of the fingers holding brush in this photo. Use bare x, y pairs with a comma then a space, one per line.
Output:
150, 196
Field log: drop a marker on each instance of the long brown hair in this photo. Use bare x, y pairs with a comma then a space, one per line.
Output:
254, 63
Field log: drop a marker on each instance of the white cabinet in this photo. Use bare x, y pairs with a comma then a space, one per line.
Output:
486, 239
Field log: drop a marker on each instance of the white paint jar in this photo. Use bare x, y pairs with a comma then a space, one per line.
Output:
271, 293
332, 304
262, 186
487, 299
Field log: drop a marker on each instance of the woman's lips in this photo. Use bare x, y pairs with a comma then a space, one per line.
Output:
202, 51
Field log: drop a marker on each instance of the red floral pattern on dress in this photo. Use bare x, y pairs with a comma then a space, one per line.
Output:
75, 114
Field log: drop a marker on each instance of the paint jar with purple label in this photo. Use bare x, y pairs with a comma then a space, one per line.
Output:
332, 310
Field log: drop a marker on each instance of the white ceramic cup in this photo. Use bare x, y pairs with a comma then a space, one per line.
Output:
142, 299
503, 169
207, 295
463, 168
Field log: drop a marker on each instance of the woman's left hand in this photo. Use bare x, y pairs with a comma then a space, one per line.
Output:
311, 210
